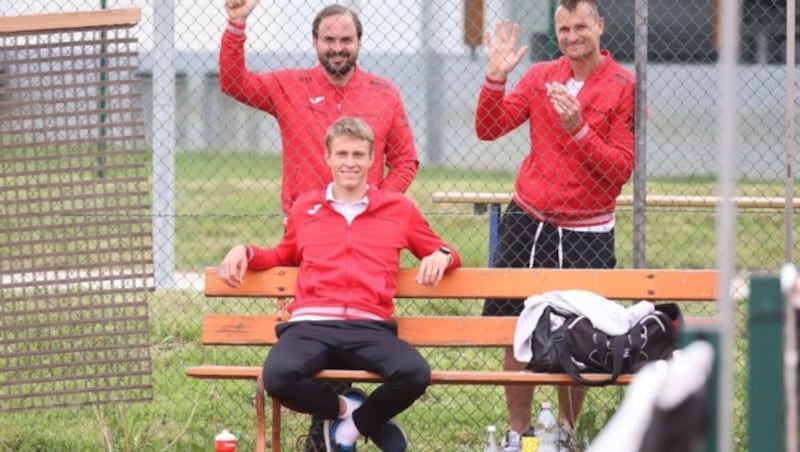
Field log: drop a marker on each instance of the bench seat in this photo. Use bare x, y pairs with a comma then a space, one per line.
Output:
440, 377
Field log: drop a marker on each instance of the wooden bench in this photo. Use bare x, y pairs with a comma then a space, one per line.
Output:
438, 331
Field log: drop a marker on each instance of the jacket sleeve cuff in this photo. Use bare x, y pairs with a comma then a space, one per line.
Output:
582, 132
494, 85
235, 28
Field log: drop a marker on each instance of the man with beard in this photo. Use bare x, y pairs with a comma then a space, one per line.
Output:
306, 102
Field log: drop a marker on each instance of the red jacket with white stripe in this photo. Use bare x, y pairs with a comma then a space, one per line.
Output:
563, 180
352, 266
305, 104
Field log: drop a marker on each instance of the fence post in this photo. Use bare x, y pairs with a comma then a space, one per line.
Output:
710, 334
765, 393
552, 43
164, 158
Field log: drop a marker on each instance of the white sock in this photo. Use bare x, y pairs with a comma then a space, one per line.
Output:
351, 405
346, 433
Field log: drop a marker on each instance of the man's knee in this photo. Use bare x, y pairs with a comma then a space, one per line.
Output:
413, 378
277, 381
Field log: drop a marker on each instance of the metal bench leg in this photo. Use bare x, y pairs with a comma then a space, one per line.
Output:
261, 445
276, 426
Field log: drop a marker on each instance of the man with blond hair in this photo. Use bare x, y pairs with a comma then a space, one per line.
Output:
347, 239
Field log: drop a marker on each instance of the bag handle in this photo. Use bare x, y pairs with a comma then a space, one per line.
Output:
637, 335
565, 359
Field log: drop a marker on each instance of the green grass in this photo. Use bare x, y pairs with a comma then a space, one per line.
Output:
227, 199
185, 413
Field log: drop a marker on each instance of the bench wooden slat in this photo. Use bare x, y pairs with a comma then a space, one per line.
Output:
429, 331
438, 331
622, 284
478, 377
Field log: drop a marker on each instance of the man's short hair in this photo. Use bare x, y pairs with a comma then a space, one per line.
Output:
335, 10
350, 127
570, 5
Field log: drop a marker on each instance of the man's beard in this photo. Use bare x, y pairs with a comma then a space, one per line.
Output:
338, 71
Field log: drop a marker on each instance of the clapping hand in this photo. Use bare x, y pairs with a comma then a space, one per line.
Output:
566, 105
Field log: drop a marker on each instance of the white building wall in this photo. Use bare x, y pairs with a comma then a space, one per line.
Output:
391, 26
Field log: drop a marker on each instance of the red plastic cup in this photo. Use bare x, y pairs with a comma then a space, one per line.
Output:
225, 442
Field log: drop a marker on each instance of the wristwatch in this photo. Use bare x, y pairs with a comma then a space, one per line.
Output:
447, 252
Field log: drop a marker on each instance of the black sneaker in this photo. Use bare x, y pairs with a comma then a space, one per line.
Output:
315, 439
356, 395
390, 437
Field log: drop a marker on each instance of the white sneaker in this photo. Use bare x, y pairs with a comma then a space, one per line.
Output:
512, 442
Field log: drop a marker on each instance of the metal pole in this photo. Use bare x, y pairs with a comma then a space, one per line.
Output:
433, 87
164, 146
789, 138
101, 146
552, 43
726, 217
790, 338
640, 135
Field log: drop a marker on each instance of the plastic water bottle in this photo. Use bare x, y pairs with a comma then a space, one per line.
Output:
547, 429
491, 440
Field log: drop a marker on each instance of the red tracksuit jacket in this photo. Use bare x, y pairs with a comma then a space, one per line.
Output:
352, 266
305, 104
564, 181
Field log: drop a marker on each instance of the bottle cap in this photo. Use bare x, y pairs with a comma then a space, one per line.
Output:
491, 428
545, 405
225, 435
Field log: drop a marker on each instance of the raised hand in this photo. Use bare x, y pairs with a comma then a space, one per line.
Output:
502, 56
238, 10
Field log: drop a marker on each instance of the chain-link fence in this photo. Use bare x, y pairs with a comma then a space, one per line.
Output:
218, 173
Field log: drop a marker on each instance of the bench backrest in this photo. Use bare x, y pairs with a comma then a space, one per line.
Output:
479, 283
618, 284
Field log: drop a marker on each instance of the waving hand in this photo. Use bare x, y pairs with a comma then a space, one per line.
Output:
502, 56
